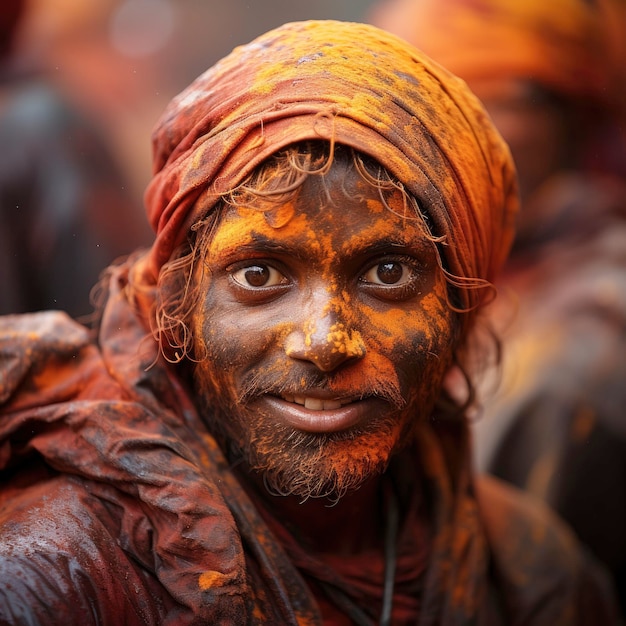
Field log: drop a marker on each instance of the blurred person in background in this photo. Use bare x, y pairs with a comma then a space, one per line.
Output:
551, 75
66, 209
125, 59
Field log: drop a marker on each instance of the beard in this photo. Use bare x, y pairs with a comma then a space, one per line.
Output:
303, 464
293, 462
319, 465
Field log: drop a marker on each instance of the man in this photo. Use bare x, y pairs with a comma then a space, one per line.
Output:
548, 76
260, 432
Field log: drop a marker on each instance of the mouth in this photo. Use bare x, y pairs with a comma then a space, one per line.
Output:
319, 414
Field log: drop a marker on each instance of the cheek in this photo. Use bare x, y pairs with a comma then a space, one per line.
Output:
230, 342
419, 342
214, 352
428, 327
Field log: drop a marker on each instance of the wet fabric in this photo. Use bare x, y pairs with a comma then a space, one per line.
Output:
115, 500
355, 85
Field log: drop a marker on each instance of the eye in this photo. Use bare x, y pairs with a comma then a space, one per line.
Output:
258, 276
394, 278
389, 273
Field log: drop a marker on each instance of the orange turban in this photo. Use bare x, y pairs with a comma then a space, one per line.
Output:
565, 45
356, 85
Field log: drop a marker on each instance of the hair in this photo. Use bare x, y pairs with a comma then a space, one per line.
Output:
275, 182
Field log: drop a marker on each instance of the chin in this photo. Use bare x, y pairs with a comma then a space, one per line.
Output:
329, 466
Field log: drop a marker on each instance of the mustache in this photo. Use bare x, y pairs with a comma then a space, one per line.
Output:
356, 385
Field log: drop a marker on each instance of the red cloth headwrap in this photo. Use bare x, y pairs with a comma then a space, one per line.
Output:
359, 86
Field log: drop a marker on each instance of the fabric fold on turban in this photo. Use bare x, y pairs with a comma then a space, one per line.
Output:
353, 84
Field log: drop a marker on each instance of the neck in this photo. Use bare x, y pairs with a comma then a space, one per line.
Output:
352, 525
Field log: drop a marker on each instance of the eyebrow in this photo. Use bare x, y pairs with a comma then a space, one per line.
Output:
386, 245
264, 244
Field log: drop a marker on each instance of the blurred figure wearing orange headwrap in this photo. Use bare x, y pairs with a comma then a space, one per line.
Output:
552, 75
259, 433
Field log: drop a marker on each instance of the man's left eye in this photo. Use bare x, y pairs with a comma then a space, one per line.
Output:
258, 276
389, 273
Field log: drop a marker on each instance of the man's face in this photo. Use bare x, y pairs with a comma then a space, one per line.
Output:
326, 334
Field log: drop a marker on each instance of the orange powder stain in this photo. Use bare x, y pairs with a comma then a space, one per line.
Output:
385, 226
61, 374
324, 245
281, 215
375, 206
436, 310
309, 331
211, 579
374, 368
312, 241
389, 328
345, 342
257, 613
235, 232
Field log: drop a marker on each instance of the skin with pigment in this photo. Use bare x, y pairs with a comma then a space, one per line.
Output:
317, 334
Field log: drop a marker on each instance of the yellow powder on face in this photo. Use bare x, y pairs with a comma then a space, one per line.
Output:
390, 326
239, 225
345, 342
309, 331
374, 370
435, 307
387, 226
280, 215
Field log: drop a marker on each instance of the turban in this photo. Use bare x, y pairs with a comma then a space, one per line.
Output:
564, 45
355, 85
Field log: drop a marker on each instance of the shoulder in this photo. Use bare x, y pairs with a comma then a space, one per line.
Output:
543, 574
62, 562
43, 350
28, 336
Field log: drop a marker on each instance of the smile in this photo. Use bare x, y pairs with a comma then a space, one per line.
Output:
320, 414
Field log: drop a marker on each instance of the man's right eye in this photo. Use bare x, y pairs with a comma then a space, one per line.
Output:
258, 275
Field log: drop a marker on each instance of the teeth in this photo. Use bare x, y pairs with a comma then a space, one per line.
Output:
316, 404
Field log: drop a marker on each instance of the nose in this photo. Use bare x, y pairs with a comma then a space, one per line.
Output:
325, 337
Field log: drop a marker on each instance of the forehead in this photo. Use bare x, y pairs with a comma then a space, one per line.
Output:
331, 213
